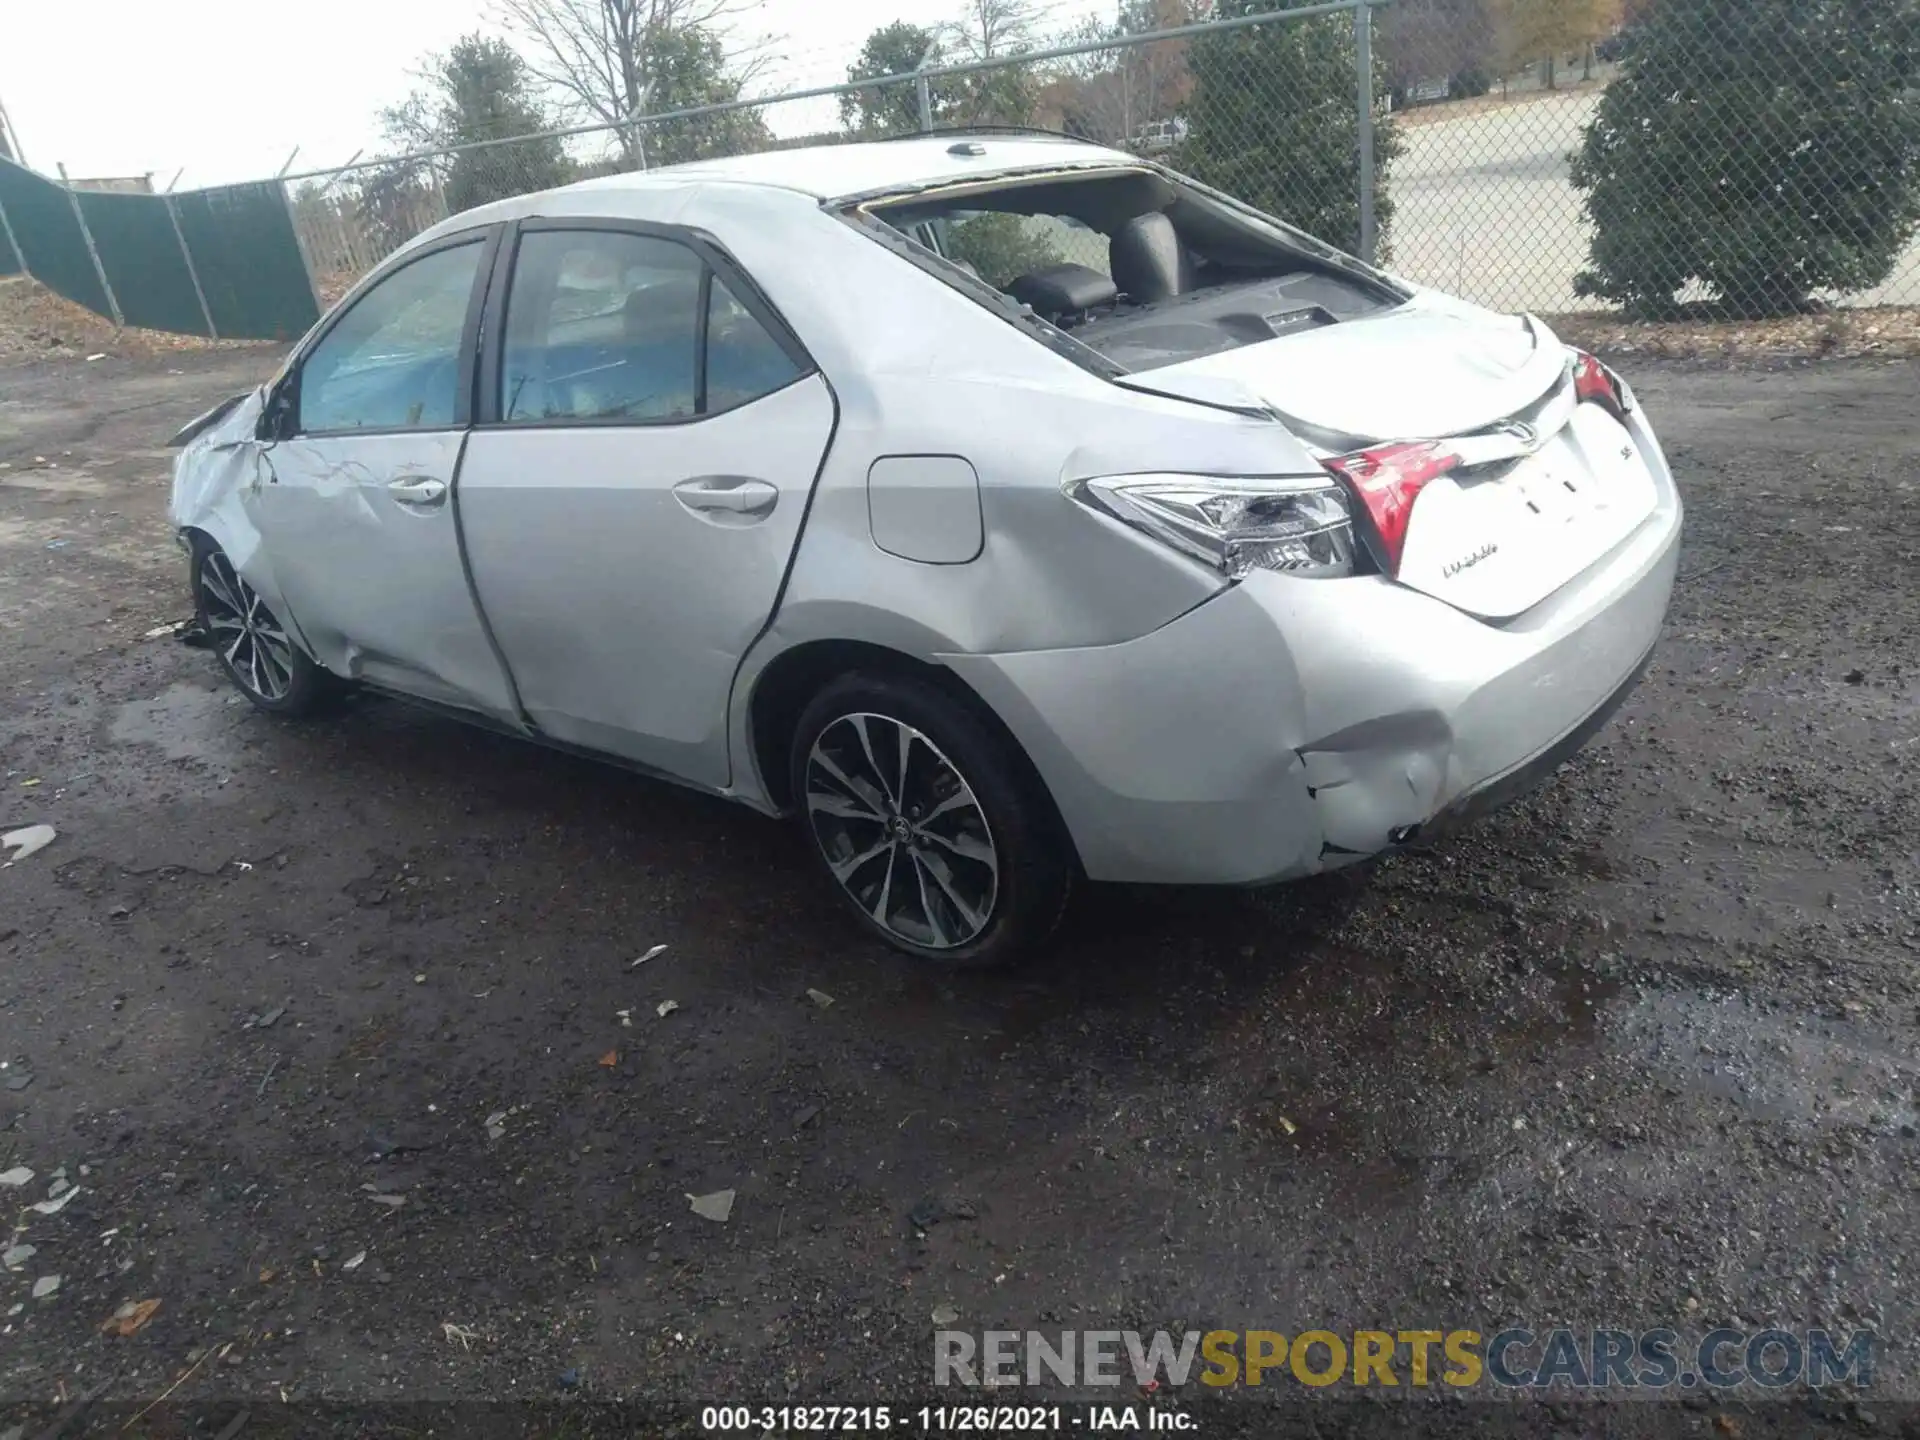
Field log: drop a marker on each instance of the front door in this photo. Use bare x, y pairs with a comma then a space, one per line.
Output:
631, 498
357, 512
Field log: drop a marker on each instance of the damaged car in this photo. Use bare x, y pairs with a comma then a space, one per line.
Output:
1010, 511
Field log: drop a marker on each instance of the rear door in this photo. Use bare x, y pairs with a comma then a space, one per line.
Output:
650, 433
356, 514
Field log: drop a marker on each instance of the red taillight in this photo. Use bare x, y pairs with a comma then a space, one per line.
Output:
1593, 381
1388, 480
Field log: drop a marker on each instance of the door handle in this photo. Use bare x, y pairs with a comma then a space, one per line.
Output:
421, 492
727, 499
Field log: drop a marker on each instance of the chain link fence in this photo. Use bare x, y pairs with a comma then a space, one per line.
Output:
1721, 158
1716, 157
1711, 158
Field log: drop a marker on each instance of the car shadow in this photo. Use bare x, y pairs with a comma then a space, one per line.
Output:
1125, 942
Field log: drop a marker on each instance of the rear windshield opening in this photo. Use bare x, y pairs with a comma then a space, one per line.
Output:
1136, 265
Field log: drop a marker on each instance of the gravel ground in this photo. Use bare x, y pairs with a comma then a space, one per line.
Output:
1638, 1051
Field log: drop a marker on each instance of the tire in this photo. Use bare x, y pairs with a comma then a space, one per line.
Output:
981, 865
253, 647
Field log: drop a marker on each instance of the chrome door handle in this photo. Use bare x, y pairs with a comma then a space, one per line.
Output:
727, 498
419, 491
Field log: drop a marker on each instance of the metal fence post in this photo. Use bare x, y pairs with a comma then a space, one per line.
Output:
13, 242
922, 90
636, 126
1363, 66
193, 271
300, 245
80, 218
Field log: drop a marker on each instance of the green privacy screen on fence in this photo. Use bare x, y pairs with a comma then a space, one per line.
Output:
53, 247
242, 242
222, 262
142, 257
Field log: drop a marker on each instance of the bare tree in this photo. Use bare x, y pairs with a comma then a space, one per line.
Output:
609, 59
1109, 95
993, 30
1548, 29
989, 29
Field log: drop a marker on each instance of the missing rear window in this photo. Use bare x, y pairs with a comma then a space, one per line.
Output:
1136, 265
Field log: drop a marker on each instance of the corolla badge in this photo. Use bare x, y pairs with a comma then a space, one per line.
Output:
1523, 432
1467, 562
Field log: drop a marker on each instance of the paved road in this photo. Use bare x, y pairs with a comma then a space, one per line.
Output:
1641, 1051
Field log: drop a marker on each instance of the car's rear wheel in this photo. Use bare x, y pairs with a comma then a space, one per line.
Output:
926, 822
254, 647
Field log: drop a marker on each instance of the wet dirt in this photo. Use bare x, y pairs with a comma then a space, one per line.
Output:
1639, 1050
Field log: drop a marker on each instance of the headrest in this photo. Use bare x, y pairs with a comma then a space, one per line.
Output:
1147, 259
1063, 289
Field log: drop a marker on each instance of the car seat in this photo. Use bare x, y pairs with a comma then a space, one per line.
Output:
1147, 260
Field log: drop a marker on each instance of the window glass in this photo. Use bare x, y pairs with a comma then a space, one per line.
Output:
393, 360
601, 326
744, 362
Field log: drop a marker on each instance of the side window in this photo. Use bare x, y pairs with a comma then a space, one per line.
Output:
606, 325
744, 362
393, 360
601, 325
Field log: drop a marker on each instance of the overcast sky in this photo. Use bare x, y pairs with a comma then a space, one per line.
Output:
227, 88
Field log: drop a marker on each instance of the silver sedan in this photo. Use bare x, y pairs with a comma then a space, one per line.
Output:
1009, 510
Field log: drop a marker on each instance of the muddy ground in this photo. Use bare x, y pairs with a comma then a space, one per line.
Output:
1640, 1051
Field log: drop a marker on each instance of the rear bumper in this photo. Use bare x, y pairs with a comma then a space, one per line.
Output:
1288, 727
1528, 776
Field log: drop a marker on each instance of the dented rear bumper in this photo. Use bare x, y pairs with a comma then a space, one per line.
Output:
1531, 774
1287, 727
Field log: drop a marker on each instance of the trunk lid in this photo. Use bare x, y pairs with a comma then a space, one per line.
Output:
1429, 367
1543, 485
1497, 537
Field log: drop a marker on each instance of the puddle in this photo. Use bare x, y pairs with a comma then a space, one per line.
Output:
1583, 1000
1796, 1071
185, 722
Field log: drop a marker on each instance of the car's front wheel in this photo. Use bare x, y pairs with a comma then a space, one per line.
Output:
926, 822
254, 647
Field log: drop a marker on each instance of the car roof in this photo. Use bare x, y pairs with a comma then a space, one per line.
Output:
832, 172
816, 172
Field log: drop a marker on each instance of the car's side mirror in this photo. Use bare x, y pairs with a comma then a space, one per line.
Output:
276, 416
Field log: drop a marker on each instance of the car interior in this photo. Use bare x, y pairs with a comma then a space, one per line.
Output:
622, 339
1137, 266
590, 337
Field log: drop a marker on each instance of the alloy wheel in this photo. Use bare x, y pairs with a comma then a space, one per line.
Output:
245, 631
902, 831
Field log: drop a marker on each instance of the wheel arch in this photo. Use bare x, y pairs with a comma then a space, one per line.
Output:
250, 562
198, 537
783, 689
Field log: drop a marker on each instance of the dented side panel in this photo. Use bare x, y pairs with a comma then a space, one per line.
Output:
1170, 762
373, 570
215, 479
372, 587
1290, 726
